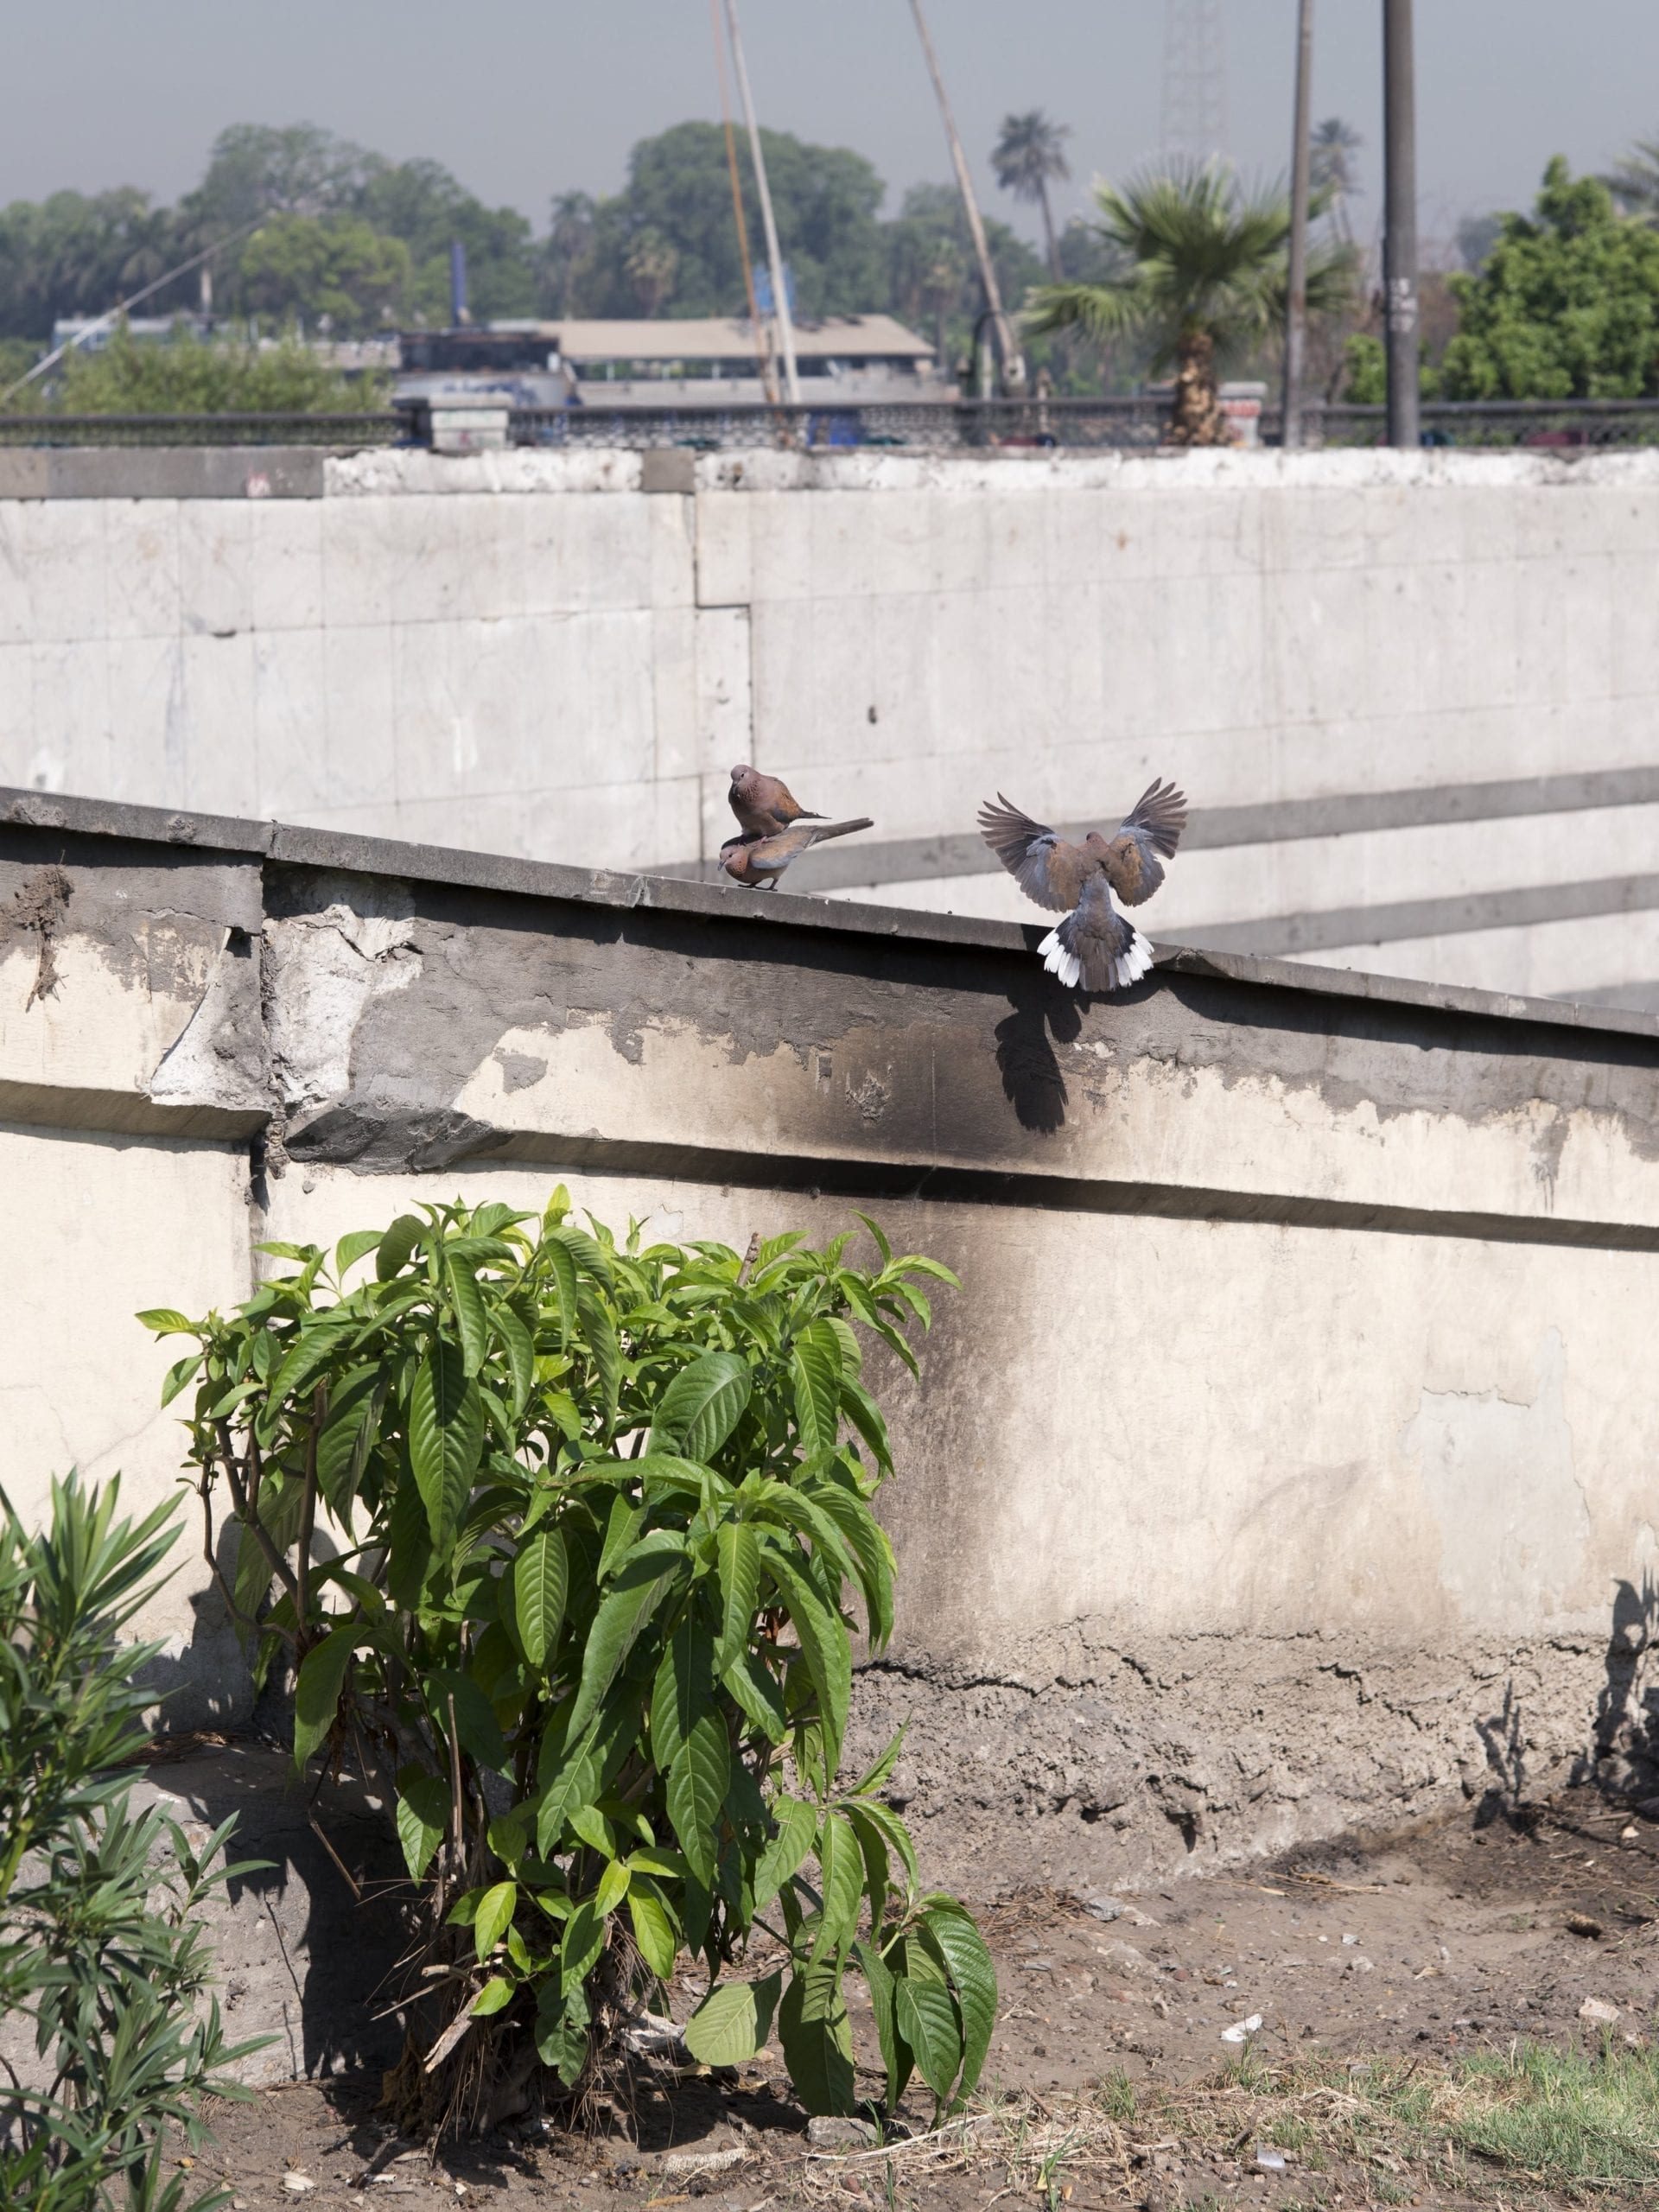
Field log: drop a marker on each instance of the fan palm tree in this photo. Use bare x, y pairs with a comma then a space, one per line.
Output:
1028, 157
1633, 182
1205, 278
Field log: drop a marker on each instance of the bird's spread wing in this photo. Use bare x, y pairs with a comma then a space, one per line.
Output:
1046, 868
1109, 950
1153, 826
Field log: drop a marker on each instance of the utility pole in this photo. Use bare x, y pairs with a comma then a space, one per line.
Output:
1300, 164
1010, 360
774, 260
1400, 222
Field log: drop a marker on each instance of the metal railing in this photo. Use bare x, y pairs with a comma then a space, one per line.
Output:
1132, 424
346, 430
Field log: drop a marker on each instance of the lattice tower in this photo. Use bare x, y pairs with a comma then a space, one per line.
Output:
1195, 78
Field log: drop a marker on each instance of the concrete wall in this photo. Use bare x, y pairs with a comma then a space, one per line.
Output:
1413, 698
1296, 1408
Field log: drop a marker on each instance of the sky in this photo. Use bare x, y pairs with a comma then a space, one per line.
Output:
523, 100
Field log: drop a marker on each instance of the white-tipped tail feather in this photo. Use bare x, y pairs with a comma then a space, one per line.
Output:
1126, 968
1059, 961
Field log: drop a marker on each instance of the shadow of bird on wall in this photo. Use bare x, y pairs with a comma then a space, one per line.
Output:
1032, 1081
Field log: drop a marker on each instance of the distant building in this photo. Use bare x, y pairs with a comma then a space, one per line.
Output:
712, 362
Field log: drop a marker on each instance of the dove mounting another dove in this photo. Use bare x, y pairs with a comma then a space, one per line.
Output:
1095, 948
777, 829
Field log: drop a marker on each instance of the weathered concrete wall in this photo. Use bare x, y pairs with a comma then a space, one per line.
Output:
1412, 696
1297, 1405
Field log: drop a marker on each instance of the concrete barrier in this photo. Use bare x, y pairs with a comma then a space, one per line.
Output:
1413, 696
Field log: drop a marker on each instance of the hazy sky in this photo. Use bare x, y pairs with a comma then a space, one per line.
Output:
522, 100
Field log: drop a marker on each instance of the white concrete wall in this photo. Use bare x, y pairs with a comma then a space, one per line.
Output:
532, 654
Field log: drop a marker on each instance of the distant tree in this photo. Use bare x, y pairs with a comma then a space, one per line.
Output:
570, 247
1202, 278
1331, 169
76, 254
1476, 236
255, 169
1634, 181
1565, 305
679, 189
929, 279
422, 204
1029, 156
340, 275
190, 376
653, 265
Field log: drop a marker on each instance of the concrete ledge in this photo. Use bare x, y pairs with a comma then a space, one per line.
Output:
438, 864
162, 473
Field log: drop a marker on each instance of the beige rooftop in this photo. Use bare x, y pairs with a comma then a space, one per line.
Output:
722, 338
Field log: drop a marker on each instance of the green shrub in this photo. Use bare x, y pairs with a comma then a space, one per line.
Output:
193, 376
598, 1512
100, 1944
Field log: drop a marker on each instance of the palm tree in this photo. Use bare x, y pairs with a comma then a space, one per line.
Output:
569, 245
652, 265
1204, 279
1332, 171
1633, 182
1027, 157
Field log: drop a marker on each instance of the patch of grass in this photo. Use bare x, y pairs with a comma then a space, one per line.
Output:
1564, 2116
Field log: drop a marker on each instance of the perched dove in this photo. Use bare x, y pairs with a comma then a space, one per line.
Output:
1094, 947
762, 804
755, 859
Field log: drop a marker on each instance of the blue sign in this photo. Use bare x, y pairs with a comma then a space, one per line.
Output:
763, 294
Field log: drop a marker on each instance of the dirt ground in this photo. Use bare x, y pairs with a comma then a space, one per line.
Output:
1123, 2069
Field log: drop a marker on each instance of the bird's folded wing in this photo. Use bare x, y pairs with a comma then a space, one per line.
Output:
1045, 868
1153, 825
753, 821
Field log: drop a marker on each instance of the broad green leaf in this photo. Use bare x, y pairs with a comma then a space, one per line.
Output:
871, 1548
409, 1545
589, 1823
475, 1724
612, 1887
561, 2039
852, 1352
733, 2022
817, 2039
620, 1533
603, 1349
974, 1974
702, 1406
872, 1848
397, 1245
682, 1691
562, 1268
757, 1696
697, 1791
347, 1433
841, 1868
519, 1347
798, 1825
495, 1909
865, 1414
495, 1994
167, 1321
423, 1809
896, 2055
572, 1783
814, 1364
446, 1437
584, 1939
927, 2021
316, 1692
653, 1930
877, 1236
912, 1263
471, 1321
622, 1611
827, 1649
738, 1551
322, 1339
350, 1249
589, 1254
539, 1577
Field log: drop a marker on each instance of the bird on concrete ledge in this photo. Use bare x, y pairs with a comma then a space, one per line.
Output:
763, 804
1095, 948
755, 860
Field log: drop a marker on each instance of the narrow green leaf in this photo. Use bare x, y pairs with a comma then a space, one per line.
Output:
881, 1770
896, 2055
757, 1696
475, 1724
446, 1437
827, 1649
814, 1364
873, 1846
316, 1692
620, 1533
347, 1435
841, 1867
927, 2020
167, 1321
738, 1549
622, 1611
471, 1320
733, 2022
562, 1268
584, 1939
866, 1417
540, 1574
697, 1783
519, 1347
560, 2039
682, 1691
877, 1236
178, 1375
612, 1887
817, 2039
